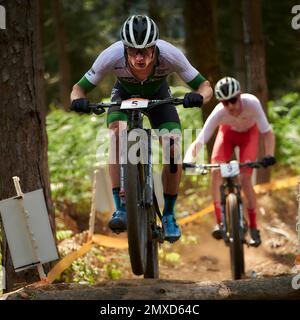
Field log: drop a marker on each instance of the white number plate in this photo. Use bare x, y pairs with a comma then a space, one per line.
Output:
229, 170
134, 104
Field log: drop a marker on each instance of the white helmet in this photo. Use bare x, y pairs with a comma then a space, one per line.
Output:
227, 88
139, 32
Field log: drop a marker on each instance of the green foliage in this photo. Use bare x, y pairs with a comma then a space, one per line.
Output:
112, 271
63, 234
284, 115
172, 257
81, 272
72, 156
93, 267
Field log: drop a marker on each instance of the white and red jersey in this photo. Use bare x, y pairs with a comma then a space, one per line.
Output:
252, 113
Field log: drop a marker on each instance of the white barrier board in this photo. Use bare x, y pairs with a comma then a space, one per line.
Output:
104, 198
17, 234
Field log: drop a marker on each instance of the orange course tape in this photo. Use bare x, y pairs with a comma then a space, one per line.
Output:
67, 261
105, 241
196, 215
276, 185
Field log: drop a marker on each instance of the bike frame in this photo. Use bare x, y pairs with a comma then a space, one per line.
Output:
233, 229
228, 186
144, 233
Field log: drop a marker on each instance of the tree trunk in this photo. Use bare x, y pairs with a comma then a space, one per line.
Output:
238, 42
200, 39
155, 12
64, 64
157, 289
256, 82
23, 148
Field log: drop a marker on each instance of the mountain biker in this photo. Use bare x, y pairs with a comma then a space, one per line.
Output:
240, 118
141, 62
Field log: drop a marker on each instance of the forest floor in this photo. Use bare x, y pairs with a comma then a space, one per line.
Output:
197, 256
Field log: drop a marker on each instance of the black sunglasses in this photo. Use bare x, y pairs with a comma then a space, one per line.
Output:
144, 52
232, 101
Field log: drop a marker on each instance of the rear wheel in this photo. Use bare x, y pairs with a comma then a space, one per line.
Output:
236, 244
136, 216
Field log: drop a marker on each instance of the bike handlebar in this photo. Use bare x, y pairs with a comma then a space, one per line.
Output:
253, 165
98, 108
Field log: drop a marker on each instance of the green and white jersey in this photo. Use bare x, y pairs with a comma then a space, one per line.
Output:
112, 61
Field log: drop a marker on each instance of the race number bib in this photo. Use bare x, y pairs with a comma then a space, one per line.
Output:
134, 104
229, 170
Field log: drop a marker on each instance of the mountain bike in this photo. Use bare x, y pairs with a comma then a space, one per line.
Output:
233, 227
136, 186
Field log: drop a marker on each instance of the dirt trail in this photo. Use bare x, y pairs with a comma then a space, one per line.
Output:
208, 259
199, 257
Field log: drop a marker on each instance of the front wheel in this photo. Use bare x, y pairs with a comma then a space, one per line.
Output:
235, 235
136, 217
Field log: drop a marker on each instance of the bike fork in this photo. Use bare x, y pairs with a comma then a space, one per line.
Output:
123, 161
149, 172
241, 214
223, 214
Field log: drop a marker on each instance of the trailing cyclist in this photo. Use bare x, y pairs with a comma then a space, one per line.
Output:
141, 63
240, 118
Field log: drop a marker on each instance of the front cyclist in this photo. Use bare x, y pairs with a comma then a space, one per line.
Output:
141, 62
240, 118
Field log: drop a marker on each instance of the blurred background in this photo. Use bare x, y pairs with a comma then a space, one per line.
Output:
253, 41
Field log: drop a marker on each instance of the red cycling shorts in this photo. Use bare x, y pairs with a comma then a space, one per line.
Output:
227, 139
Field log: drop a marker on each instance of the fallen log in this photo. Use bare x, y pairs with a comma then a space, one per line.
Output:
157, 289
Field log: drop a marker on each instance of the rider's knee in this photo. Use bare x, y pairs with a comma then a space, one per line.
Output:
115, 129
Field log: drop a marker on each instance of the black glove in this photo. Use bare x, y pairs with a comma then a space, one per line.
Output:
81, 105
192, 99
268, 161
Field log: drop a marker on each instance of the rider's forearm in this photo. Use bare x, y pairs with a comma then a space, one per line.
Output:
206, 91
77, 92
269, 142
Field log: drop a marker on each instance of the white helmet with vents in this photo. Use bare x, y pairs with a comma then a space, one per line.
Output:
227, 88
139, 32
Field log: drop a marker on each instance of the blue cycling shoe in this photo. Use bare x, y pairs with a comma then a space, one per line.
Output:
171, 230
117, 223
